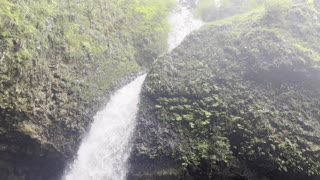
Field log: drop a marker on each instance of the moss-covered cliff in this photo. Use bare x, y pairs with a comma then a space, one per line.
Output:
59, 60
238, 99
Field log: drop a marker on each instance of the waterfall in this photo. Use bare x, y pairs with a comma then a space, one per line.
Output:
181, 22
217, 3
104, 152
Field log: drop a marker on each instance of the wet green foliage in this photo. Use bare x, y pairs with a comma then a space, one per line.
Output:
153, 28
59, 60
242, 101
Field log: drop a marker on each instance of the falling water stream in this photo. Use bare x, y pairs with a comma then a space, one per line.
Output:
103, 154
181, 22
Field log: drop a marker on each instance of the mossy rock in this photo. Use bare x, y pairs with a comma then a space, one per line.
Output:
59, 62
239, 98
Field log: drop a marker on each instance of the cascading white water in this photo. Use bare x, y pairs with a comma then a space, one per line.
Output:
104, 152
217, 3
182, 23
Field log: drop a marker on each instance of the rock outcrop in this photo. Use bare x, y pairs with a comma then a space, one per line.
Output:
238, 99
59, 61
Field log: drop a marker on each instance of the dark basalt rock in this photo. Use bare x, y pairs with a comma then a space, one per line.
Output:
59, 62
32, 150
52, 81
238, 99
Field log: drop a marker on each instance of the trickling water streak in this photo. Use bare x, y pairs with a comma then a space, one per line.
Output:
104, 152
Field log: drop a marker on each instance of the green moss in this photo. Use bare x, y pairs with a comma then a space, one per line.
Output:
30, 130
244, 107
97, 48
59, 62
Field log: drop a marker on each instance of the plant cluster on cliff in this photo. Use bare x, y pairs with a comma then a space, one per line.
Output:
59, 60
238, 99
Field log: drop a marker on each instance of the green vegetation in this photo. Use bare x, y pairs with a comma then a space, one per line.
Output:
239, 98
59, 60
75, 46
153, 28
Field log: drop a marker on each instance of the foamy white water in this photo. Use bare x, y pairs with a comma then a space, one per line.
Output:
103, 154
217, 3
182, 22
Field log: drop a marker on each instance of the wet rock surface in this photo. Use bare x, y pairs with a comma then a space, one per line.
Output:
238, 99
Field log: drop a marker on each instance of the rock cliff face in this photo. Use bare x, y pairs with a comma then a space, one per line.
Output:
238, 99
59, 61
